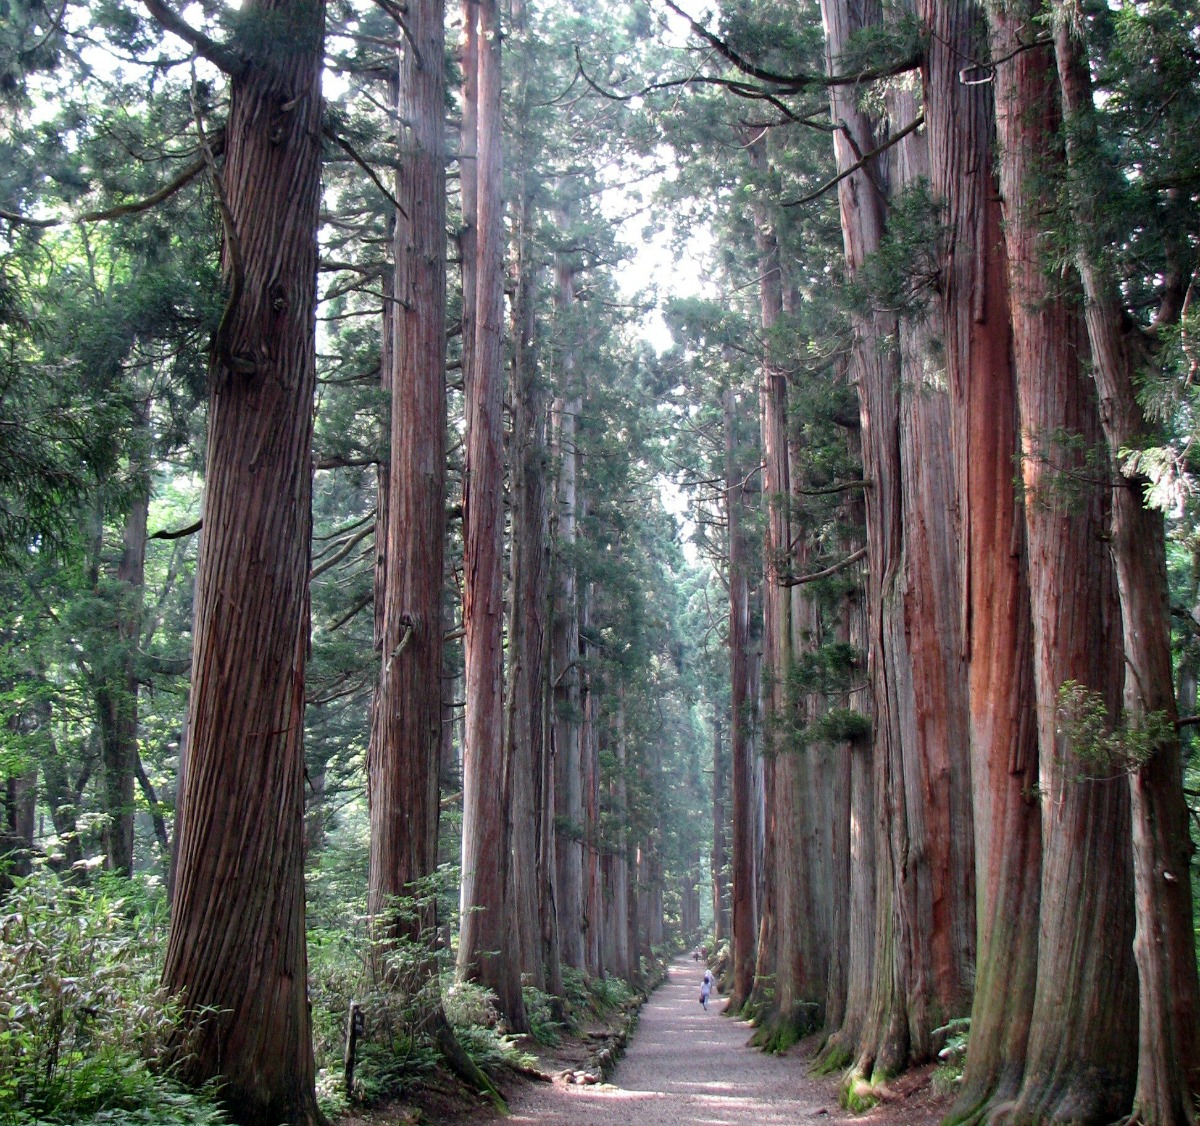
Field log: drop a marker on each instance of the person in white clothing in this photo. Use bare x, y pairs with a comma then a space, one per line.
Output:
706, 988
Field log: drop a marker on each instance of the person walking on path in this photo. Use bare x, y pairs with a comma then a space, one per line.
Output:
706, 988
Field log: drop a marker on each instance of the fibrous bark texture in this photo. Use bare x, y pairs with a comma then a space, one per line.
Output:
487, 937
997, 639
236, 950
565, 675
1078, 1064
405, 747
924, 924
743, 913
529, 605
1168, 1064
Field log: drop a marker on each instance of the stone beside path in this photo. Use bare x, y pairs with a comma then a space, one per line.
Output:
685, 1065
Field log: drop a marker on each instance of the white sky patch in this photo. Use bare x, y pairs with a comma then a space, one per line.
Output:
663, 265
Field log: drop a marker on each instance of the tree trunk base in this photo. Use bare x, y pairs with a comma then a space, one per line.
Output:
460, 1063
832, 1058
776, 1032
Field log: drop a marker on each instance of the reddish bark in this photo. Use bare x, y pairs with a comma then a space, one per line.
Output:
998, 633
236, 948
487, 936
528, 613
1168, 1065
405, 747
924, 929
1078, 1062
565, 675
743, 913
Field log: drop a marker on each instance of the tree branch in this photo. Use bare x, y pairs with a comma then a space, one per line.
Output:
866, 158
792, 83
349, 150
178, 533
134, 207
218, 54
801, 580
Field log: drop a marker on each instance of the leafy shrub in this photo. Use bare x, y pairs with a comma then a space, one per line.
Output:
543, 1013
953, 1055
84, 1023
468, 1005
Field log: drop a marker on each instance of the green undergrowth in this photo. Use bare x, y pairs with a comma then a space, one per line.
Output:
858, 1093
84, 1025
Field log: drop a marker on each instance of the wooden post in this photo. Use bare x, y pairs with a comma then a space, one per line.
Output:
355, 1023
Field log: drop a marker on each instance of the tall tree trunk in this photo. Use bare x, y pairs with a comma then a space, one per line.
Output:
405, 748
117, 699
743, 914
998, 632
468, 184
924, 894
852, 950
18, 803
621, 965
784, 961
527, 623
236, 950
1079, 1064
590, 775
717, 860
564, 666
488, 936
1168, 1067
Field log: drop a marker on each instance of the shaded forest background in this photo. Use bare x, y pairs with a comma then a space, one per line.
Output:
386, 620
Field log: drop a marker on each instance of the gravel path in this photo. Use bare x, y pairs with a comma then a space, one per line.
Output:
685, 1065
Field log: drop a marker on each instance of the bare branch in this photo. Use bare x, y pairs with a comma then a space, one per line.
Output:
801, 580
349, 150
865, 159
178, 533
792, 83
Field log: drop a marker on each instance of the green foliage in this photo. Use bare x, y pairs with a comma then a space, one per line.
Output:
83, 1021
542, 1012
1104, 747
953, 1055
841, 725
903, 274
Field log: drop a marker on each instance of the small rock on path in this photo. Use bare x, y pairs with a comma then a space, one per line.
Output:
685, 1065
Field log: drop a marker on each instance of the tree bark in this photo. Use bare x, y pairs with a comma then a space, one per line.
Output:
924, 929
997, 639
487, 949
717, 861
528, 607
405, 747
1079, 1065
117, 698
790, 988
564, 666
743, 913
1168, 1065
236, 950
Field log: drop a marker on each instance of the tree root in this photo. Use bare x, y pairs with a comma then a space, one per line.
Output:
460, 1063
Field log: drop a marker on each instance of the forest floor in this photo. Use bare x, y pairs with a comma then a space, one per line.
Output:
687, 1065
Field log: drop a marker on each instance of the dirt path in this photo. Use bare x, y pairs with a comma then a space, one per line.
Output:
685, 1065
